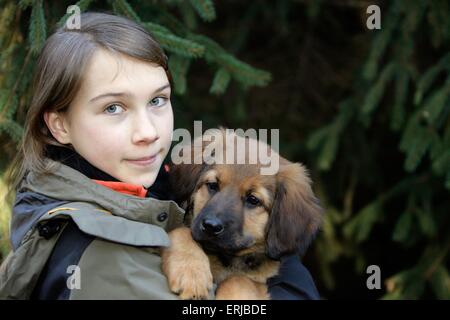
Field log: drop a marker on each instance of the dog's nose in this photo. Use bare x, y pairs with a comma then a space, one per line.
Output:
212, 226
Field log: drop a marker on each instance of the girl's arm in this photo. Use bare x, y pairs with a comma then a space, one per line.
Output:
294, 282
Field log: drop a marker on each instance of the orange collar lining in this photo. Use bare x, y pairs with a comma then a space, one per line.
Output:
122, 187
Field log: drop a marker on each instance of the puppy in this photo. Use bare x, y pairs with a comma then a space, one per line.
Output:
240, 221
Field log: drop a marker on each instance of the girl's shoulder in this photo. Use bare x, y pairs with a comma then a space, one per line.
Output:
28, 208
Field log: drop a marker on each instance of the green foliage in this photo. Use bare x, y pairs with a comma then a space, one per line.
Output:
179, 66
326, 139
429, 76
122, 7
414, 94
376, 92
205, 9
25, 3
221, 81
360, 226
174, 43
240, 71
38, 31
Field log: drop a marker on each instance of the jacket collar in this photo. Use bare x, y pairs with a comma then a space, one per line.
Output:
64, 183
71, 158
125, 188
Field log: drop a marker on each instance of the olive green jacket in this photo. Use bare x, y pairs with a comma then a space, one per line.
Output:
111, 241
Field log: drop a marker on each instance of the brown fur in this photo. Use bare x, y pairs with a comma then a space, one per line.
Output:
237, 244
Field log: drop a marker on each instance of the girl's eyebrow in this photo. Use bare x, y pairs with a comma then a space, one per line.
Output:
125, 94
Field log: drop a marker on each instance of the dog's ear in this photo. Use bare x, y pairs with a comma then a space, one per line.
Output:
183, 177
296, 214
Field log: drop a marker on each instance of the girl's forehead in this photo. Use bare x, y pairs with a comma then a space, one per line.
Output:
108, 67
107, 71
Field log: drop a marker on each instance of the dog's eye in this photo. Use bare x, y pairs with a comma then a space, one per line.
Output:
253, 201
212, 186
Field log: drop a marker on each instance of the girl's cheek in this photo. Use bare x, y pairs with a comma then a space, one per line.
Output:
102, 135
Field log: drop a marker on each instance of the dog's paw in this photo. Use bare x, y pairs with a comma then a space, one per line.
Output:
187, 267
191, 284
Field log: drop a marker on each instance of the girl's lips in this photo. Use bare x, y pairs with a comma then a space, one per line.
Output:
144, 161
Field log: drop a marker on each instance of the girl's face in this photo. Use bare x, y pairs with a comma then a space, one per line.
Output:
121, 119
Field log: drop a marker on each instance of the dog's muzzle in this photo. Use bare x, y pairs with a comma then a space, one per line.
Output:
212, 226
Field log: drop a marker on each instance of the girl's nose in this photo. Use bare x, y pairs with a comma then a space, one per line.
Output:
144, 130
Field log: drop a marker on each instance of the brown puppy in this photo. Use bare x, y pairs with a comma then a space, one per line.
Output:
241, 222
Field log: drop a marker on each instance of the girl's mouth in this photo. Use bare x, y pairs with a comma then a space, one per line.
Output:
145, 161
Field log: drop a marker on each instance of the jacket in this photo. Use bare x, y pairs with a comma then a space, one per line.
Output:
73, 238
65, 226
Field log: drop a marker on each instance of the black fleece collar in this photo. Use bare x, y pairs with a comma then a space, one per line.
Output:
71, 158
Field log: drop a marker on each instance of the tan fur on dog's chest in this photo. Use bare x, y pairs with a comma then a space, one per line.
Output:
267, 269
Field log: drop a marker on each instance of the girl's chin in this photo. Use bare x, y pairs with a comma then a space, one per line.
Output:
145, 182
144, 179
148, 184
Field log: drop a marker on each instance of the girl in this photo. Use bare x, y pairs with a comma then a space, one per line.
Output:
92, 206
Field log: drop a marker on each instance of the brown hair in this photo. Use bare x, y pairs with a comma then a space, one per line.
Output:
59, 71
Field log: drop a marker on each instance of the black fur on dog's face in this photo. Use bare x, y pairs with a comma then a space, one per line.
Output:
238, 211
231, 207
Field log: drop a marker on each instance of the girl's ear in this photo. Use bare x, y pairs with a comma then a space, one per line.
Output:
56, 123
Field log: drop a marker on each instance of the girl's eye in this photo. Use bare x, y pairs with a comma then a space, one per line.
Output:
158, 102
114, 109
